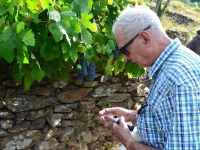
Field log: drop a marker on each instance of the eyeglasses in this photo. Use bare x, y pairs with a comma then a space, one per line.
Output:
123, 49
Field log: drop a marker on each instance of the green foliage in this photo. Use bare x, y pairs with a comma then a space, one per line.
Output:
161, 6
45, 38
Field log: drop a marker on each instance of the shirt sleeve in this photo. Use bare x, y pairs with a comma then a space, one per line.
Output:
184, 129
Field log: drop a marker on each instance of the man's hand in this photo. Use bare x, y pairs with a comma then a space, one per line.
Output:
121, 131
129, 115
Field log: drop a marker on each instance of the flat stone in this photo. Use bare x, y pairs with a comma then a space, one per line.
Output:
24, 125
66, 132
21, 116
46, 145
37, 124
2, 93
115, 79
62, 147
106, 90
132, 87
46, 91
114, 98
74, 95
62, 108
23, 103
53, 133
3, 142
3, 133
71, 115
55, 119
87, 105
2, 104
35, 114
90, 84
6, 114
58, 84
10, 83
9, 92
6, 123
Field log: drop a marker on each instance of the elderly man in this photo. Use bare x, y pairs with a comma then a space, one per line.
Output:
170, 117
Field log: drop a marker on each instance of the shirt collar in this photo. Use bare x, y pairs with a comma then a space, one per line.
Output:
164, 55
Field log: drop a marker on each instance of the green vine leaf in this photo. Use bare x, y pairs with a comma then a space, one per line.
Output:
32, 5
85, 20
7, 52
86, 36
99, 38
67, 17
23, 55
55, 15
2, 20
110, 2
58, 30
27, 37
73, 52
75, 26
6, 34
89, 54
36, 72
18, 26
16, 73
100, 7
45, 3
119, 65
49, 50
62, 74
28, 81
110, 46
109, 67
133, 70
82, 6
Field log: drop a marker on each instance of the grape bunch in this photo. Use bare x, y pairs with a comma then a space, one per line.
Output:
83, 71
116, 52
91, 71
83, 67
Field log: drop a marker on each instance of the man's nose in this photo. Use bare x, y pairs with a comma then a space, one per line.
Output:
126, 58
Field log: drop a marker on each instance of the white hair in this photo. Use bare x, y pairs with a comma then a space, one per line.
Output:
134, 19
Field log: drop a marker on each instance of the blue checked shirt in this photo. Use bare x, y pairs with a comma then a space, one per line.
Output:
171, 118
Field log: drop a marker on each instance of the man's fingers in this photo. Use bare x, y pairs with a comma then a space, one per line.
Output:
104, 111
107, 124
122, 119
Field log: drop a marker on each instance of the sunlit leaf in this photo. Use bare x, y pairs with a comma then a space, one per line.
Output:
85, 20
55, 15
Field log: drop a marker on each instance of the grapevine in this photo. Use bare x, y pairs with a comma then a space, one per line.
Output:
46, 38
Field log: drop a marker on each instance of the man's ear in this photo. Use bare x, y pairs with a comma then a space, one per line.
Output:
145, 36
145, 39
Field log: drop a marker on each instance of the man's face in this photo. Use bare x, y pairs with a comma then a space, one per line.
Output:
137, 50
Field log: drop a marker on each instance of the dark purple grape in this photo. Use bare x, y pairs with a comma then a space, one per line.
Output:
91, 71
116, 52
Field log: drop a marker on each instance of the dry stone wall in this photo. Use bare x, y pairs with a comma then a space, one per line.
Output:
181, 20
56, 115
